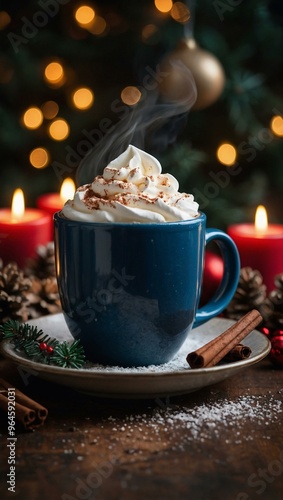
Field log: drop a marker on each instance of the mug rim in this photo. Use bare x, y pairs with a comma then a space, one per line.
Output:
200, 217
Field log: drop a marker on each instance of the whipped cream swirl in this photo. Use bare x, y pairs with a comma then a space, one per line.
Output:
131, 189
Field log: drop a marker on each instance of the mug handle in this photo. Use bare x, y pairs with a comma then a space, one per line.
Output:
229, 283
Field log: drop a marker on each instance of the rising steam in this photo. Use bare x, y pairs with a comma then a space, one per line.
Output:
142, 122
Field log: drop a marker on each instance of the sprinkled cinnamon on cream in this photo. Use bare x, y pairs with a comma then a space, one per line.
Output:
132, 188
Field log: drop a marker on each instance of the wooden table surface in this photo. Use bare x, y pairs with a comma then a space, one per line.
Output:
222, 442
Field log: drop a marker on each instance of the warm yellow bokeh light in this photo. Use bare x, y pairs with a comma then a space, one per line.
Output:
130, 95
54, 73
83, 98
180, 12
261, 220
18, 205
98, 26
67, 190
276, 125
226, 154
84, 15
32, 118
59, 129
39, 158
163, 5
50, 109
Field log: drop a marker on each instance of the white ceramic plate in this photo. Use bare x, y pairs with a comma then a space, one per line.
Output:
173, 378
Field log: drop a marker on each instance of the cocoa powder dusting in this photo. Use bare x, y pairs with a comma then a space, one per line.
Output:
88, 194
133, 172
83, 188
165, 182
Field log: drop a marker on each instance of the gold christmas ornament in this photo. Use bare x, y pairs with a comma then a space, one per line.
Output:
205, 68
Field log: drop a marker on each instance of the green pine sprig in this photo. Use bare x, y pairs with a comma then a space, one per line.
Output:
25, 338
40, 347
69, 355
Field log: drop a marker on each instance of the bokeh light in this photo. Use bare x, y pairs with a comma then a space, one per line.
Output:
54, 73
59, 129
226, 154
180, 12
84, 15
32, 118
98, 27
5, 19
83, 98
163, 5
149, 32
130, 95
50, 109
39, 158
276, 125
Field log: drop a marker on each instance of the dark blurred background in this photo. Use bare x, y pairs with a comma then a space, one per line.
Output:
50, 49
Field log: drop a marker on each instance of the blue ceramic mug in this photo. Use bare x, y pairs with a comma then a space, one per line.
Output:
130, 291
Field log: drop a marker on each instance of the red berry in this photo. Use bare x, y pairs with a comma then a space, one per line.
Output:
42, 346
50, 349
276, 353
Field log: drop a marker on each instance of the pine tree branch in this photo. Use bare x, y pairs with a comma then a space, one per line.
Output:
40, 347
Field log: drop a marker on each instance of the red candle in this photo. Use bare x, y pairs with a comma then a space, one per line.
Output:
22, 231
260, 246
53, 202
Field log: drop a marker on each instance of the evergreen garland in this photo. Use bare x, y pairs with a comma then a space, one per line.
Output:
40, 347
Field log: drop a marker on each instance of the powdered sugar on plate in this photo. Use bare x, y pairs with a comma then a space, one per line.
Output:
179, 363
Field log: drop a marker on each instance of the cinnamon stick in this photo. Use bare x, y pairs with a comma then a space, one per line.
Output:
238, 352
28, 412
215, 350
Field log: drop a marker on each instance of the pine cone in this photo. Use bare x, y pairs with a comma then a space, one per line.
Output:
278, 280
250, 294
273, 306
43, 265
13, 289
43, 297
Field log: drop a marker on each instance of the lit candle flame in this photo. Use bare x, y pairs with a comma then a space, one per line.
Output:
261, 221
18, 205
68, 189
